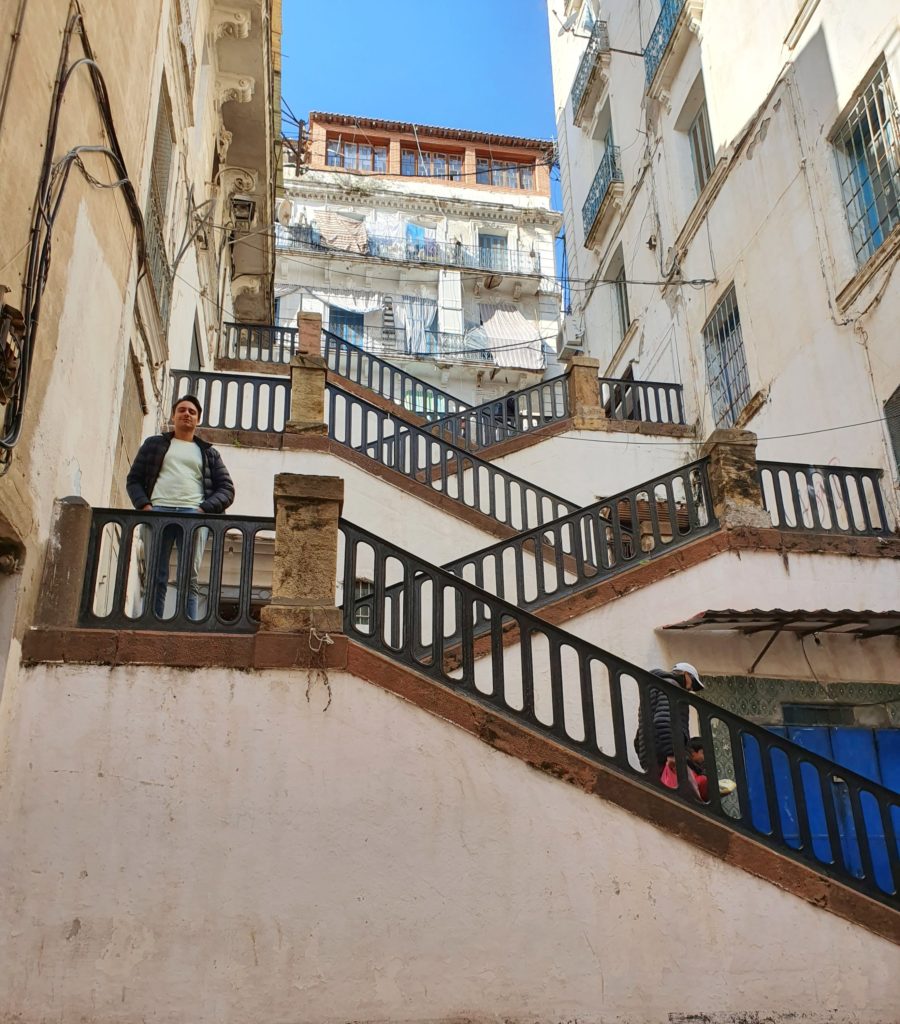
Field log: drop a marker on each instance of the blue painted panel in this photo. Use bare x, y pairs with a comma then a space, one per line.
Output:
817, 740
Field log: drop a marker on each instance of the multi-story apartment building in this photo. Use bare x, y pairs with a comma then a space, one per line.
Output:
138, 193
731, 184
426, 245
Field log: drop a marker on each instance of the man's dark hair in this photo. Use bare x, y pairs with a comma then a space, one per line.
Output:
193, 399
696, 744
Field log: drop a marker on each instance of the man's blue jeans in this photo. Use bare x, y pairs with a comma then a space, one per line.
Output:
178, 537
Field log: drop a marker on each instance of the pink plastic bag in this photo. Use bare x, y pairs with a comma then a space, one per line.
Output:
669, 777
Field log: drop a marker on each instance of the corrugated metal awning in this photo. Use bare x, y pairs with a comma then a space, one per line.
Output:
860, 624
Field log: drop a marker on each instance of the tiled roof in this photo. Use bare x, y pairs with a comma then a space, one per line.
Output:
432, 131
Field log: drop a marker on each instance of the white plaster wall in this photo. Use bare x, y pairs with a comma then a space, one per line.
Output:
385, 509
212, 845
631, 625
585, 466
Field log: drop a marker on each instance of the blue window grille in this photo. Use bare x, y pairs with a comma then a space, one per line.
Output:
868, 154
726, 362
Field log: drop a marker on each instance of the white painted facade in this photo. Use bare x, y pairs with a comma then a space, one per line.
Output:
240, 852
423, 238
817, 324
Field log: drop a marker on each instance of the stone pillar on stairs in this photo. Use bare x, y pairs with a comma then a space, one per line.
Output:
308, 375
307, 510
734, 479
584, 393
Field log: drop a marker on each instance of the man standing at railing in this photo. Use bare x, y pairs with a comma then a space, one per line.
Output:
178, 472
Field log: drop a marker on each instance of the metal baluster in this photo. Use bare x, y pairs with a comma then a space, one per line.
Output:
618, 717
826, 788
862, 833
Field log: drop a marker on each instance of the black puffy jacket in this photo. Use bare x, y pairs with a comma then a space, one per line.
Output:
661, 718
218, 489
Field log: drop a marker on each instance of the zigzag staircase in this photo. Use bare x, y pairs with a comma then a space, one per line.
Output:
471, 628
587, 700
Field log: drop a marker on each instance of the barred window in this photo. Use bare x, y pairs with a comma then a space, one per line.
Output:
892, 415
726, 363
868, 154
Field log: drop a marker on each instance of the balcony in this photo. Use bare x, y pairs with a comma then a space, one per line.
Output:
592, 76
405, 250
443, 346
603, 198
668, 42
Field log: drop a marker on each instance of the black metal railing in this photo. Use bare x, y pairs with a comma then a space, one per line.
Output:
597, 44
588, 700
382, 378
645, 400
237, 401
609, 171
429, 250
519, 412
660, 37
398, 343
434, 462
261, 343
824, 499
176, 571
596, 542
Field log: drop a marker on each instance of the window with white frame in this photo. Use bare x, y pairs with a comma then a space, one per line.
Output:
868, 154
615, 275
425, 163
362, 613
726, 361
702, 154
354, 155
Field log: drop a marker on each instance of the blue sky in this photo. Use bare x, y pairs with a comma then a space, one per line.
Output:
477, 64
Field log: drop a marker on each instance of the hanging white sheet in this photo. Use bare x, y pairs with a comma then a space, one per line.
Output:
351, 301
513, 340
340, 232
416, 315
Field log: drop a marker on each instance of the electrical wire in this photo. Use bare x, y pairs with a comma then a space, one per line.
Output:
50, 192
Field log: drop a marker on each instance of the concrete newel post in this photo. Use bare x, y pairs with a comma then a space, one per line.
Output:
307, 509
62, 579
584, 392
734, 479
308, 373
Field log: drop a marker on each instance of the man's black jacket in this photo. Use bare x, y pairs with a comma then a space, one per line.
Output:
218, 489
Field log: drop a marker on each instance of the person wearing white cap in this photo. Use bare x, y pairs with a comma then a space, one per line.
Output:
691, 680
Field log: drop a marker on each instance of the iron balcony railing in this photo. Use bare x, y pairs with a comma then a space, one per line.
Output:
262, 343
237, 401
645, 400
382, 378
176, 571
597, 44
519, 412
397, 342
596, 542
157, 259
584, 698
429, 250
660, 37
610, 170
435, 463
824, 499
